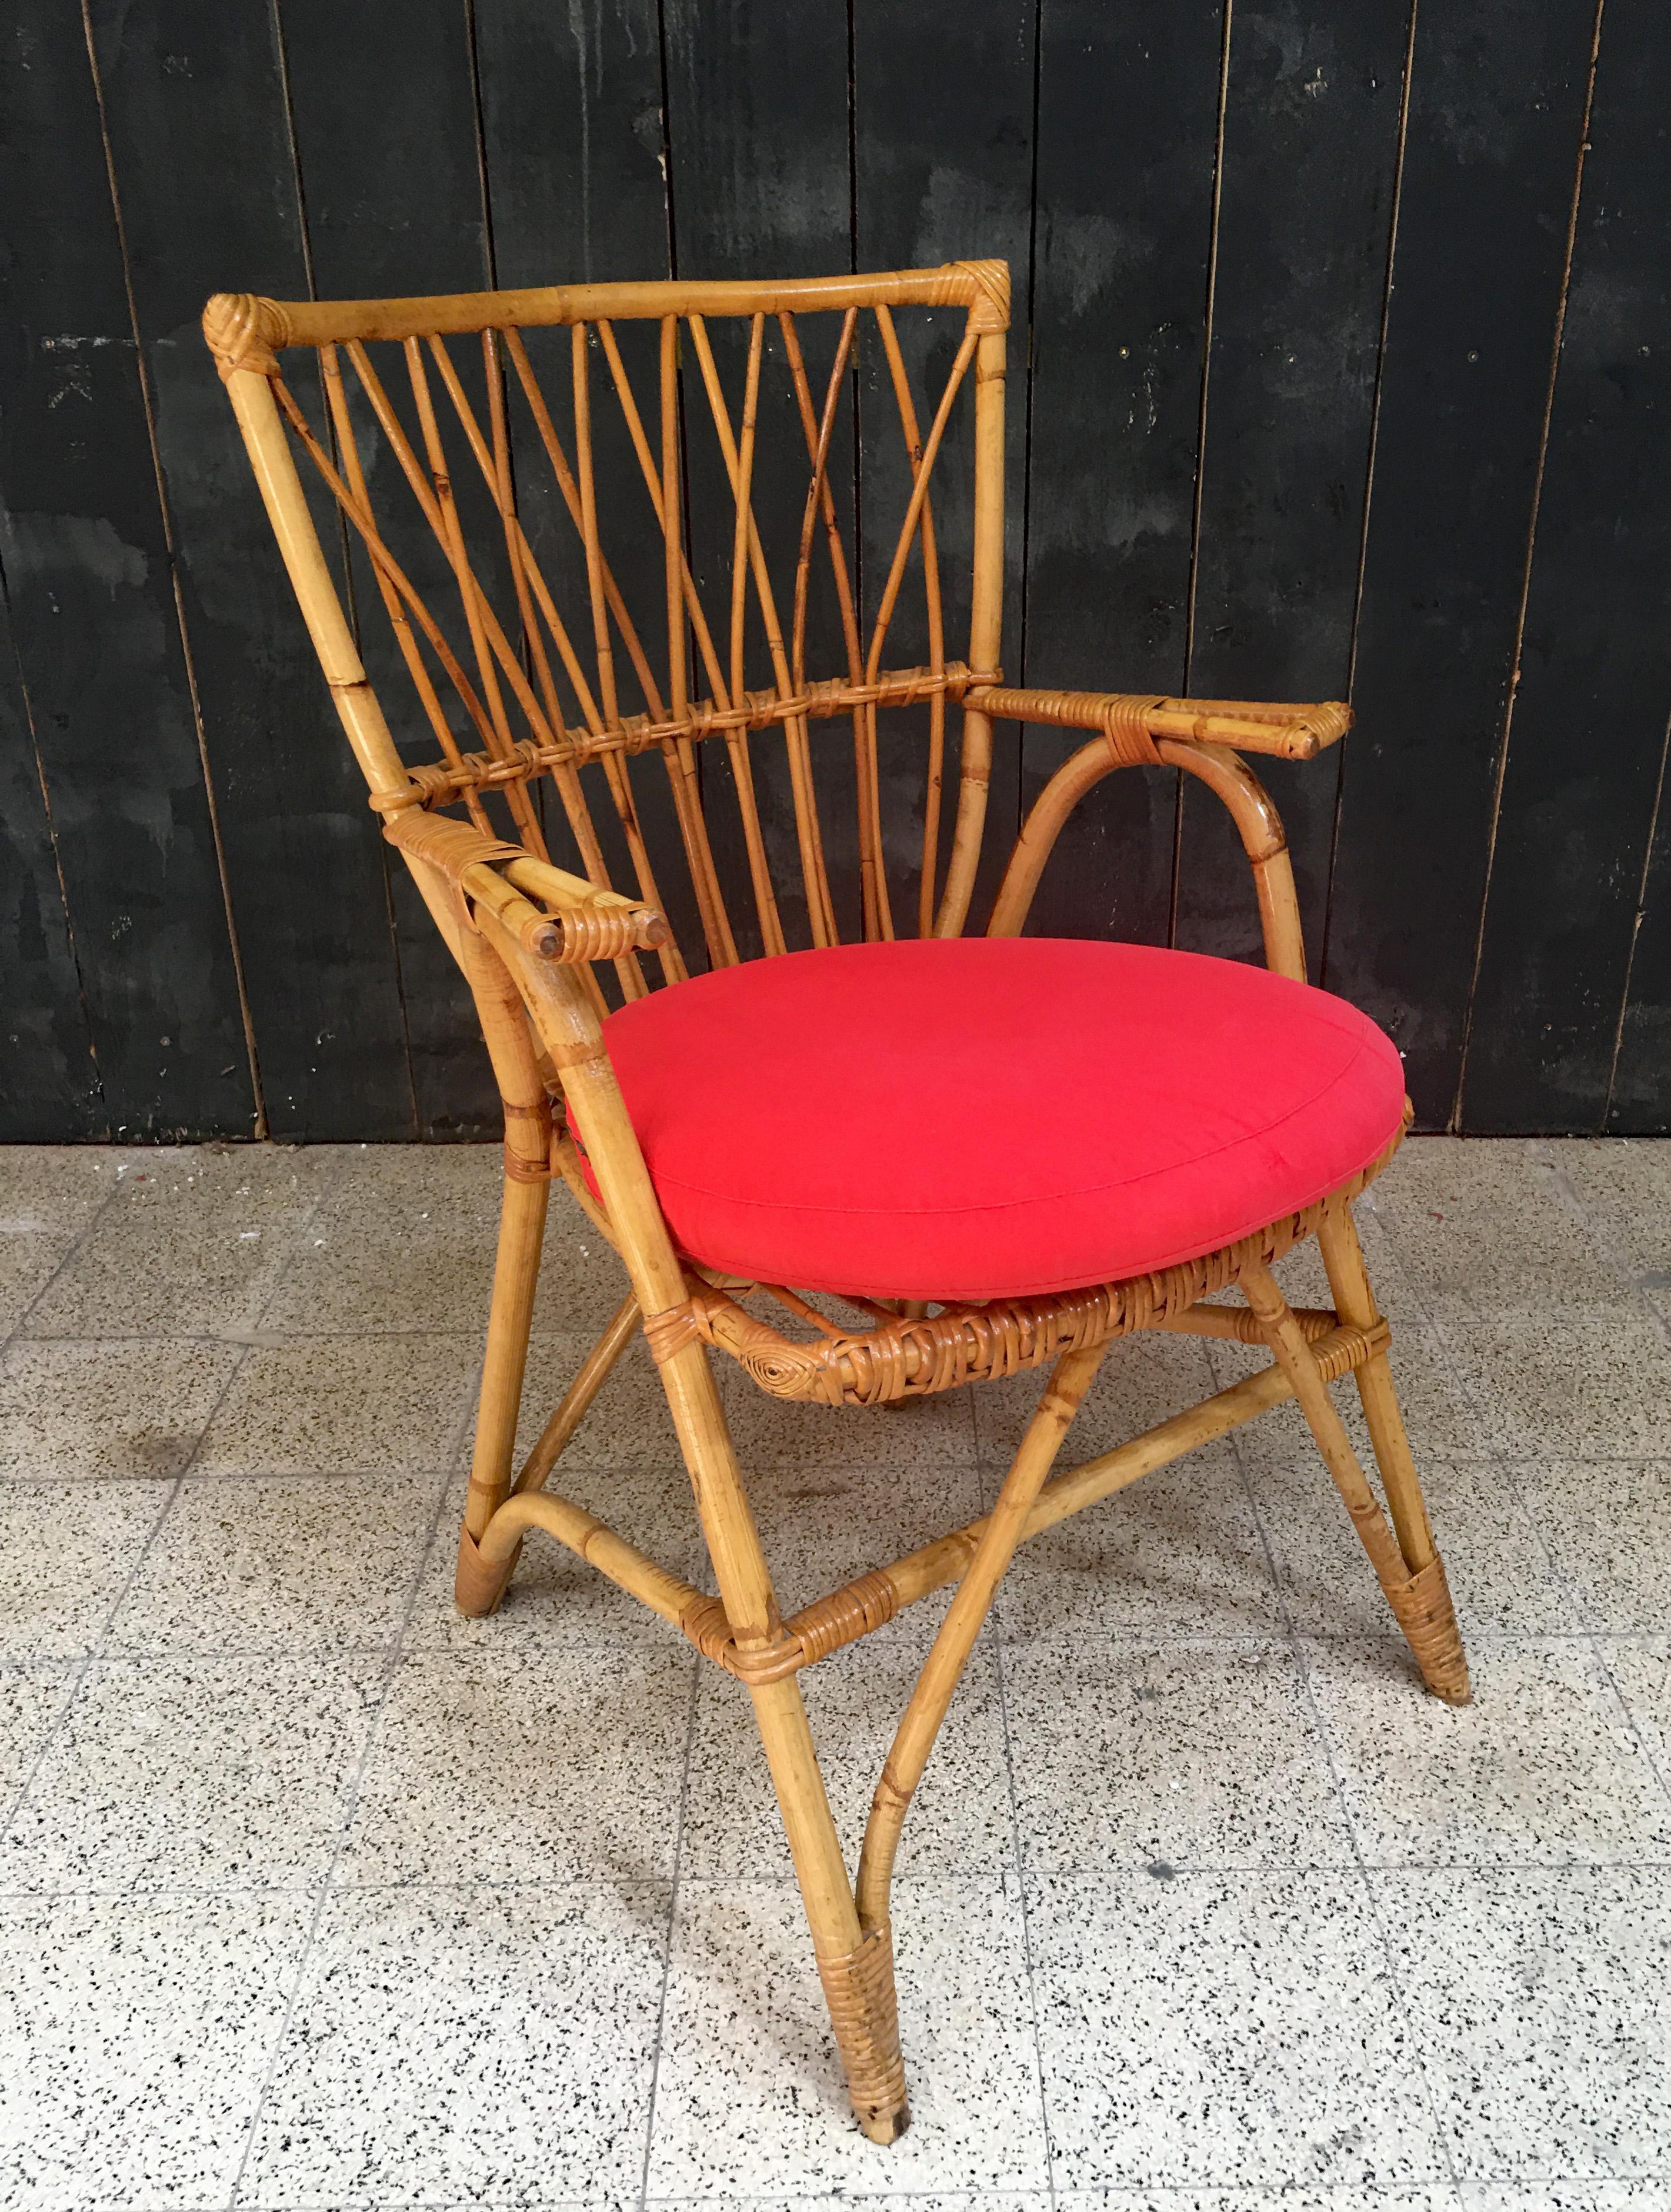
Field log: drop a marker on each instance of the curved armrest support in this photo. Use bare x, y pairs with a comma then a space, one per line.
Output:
1257, 822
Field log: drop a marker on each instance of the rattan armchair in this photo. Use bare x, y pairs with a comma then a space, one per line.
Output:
1024, 1207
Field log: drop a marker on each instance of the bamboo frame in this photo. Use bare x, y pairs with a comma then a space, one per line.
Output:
528, 934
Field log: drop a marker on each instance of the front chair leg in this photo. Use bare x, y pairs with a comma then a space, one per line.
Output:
1417, 1593
478, 1586
855, 1964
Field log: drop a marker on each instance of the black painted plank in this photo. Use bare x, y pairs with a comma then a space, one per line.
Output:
392, 212
943, 105
49, 1080
1124, 219
1309, 159
1639, 1105
1587, 730
572, 124
97, 637
205, 174
1496, 103
757, 123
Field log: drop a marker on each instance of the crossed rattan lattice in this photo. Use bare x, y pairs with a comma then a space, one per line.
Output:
518, 710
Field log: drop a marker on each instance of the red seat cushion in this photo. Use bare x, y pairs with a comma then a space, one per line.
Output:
985, 1117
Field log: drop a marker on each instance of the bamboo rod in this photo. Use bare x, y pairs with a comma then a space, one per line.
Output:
367, 733
577, 1399
240, 324
984, 629
1003, 1529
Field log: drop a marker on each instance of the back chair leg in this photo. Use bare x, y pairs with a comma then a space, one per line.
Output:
1418, 1593
479, 1587
1355, 1302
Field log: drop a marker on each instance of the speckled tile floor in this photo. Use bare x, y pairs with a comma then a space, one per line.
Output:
312, 1895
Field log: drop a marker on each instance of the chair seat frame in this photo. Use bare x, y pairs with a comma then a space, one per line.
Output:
527, 934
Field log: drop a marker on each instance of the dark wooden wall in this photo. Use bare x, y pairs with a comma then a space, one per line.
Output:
1341, 365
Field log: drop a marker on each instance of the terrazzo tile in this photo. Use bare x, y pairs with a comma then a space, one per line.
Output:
44, 1187
628, 1424
557, 1767
1607, 1525
1483, 1222
90, 1408
207, 1774
750, 2097
1641, 1672
1439, 2196
33, 1694
954, 2201
1541, 1766
192, 1244
341, 1405
67, 1551
582, 1279
824, 1522
1143, 1379
772, 1434
1623, 1188
1224, 2030
280, 1563
1565, 2196
960, 1820
1501, 1581
1542, 2004
495, 2046
1181, 1756
1179, 1553
1565, 1383
29, 1258
555, 1597
134, 2035
1440, 1415
404, 1238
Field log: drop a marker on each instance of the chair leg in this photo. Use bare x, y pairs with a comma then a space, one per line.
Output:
1416, 1589
477, 1586
908, 1758
855, 1964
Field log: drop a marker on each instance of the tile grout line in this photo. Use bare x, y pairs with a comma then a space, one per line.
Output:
1539, 1151
77, 1681
394, 1659
1021, 1876
1573, 1202
326, 1891
1368, 1887
672, 1931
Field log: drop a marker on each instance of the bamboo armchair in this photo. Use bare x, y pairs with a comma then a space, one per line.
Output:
537, 734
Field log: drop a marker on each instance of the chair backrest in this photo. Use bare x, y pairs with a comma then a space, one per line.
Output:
607, 521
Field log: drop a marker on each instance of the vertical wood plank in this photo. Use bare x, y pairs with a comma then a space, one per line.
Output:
943, 100
392, 211
194, 101
1639, 1101
86, 557
1496, 106
1124, 221
1586, 735
572, 126
757, 125
1311, 129
49, 1080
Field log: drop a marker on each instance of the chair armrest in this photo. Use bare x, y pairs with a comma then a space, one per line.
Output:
1289, 732
554, 914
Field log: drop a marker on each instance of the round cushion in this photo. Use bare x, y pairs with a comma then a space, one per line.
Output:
975, 1118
